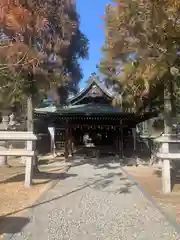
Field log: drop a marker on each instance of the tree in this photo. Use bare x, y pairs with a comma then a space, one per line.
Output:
47, 36
142, 45
42, 42
40, 46
78, 49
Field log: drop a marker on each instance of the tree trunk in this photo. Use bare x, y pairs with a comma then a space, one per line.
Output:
167, 110
30, 127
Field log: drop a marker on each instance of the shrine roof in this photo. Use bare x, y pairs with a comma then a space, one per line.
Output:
81, 109
88, 109
93, 85
92, 110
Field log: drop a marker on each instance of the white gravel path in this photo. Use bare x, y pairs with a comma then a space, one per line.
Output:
95, 204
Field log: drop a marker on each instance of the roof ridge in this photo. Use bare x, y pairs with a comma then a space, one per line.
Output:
98, 83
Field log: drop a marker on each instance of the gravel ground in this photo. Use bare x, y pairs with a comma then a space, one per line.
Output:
95, 204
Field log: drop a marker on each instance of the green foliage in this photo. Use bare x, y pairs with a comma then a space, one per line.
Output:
141, 46
43, 47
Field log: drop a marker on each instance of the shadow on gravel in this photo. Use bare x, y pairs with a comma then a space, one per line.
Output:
108, 180
99, 184
106, 165
103, 162
12, 225
41, 175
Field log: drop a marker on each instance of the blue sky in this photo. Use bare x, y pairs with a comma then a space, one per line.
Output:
91, 12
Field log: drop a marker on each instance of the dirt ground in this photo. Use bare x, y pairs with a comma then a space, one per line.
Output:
14, 197
150, 179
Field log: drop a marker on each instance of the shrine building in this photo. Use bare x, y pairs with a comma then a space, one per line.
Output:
90, 113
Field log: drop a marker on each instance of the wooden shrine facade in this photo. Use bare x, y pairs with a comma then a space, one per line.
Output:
89, 113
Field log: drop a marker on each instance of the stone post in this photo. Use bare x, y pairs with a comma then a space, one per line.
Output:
51, 130
29, 166
166, 170
3, 144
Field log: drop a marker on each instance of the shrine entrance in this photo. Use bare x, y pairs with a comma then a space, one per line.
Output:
100, 138
90, 123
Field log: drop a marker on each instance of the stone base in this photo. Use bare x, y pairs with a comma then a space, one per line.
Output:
23, 160
3, 161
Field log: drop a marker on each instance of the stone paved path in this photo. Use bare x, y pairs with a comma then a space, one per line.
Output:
95, 204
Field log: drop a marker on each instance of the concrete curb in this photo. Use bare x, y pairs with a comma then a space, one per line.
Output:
170, 218
44, 190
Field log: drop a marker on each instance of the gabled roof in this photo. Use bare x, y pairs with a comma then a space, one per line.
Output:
49, 109
92, 109
82, 109
82, 94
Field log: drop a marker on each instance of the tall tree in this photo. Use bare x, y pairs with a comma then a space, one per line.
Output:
40, 45
142, 45
43, 42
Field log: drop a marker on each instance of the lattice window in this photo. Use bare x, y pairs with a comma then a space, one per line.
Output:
60, 145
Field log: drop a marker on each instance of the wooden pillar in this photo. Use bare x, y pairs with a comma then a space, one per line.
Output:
70, 141
134, 139
66, 152
121, 145
117, 143
29, 166
166, 170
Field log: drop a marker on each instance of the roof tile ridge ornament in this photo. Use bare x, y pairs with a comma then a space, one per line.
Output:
90, 83
64, 106
53, 106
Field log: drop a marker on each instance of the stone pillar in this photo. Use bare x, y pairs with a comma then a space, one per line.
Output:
51, 130
29, 166
4, 144
166, 176
166, 170
145, 128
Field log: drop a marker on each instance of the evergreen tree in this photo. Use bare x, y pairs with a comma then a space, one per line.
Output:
141, 49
